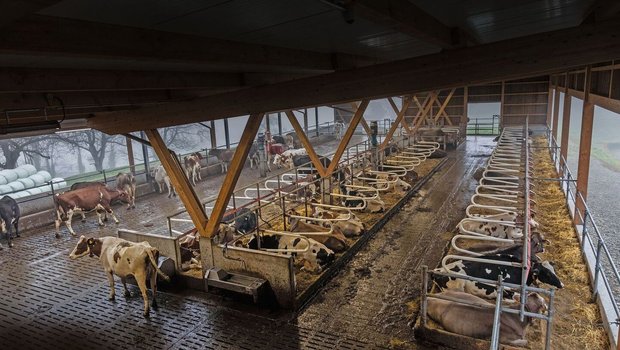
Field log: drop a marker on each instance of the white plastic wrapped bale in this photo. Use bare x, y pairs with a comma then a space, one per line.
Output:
3, 180
5, 189
45, 189
46, 176
35, 190
21, 173
16, 186
20, 194
29, 168
28, 183
38, 179
9, 174
59, 183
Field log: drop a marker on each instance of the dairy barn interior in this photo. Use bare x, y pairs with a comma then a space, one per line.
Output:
341, 195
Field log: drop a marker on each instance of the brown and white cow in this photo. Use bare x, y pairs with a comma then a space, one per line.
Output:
127, 183
85, 200
192, 167
477, 320
123, 258
335, 240
350, 228
225, 156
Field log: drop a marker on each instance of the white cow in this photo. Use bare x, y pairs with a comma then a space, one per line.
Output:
286, 158
162, 178
123, 258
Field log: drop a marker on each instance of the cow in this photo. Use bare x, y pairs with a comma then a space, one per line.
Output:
191, 163
370, 205
225, 156
537, 244
273, 149
123, 258
9, 218
245, 220
477, 320
395, 184
338, 129
496, 229
335, 241
127, 183
541, 271
350, 228
312, 257
279, 160
84, 184
86, 200
162, 179
253, 155
338, 175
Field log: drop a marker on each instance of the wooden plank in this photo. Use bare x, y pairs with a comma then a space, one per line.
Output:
556, 114
532, 55
359, 113
565, 126
306, 143
394, 126
585, 146
234, 170
179, 180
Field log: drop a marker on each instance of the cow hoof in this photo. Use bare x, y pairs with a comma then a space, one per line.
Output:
127, 294
154, 305
83, 220
57, 235
146, 314
105, 219
11, 245
111, 298
101, 224
72, 234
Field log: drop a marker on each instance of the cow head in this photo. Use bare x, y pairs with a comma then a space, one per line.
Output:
226, 233
535, 303
538, 243
402, 186
545, 273
317, 256
91, 246
278, 160
375, 205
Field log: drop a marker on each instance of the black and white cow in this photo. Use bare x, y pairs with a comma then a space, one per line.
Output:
491, 225
245, 220
371, 205
539, 271
9, 218
314, 257
123, 258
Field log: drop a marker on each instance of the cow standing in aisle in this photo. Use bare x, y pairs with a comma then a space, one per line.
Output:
192, 167
127, 182
85, 200
123, 258
9, 218
162, 179
225, 156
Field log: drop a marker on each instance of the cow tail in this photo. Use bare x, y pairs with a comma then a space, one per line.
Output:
154, 263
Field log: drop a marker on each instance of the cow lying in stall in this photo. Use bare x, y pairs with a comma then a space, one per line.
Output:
312, 256
335, 240
123, 258
9, 218
496, 229
351, 228
370, 205
541, 271
84, 200
162, 180
477, 320
191, 164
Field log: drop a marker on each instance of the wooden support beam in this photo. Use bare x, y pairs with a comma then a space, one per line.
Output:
404, 16
359, 113
306, 143
465, 116
363, 120
442, 107
532, 55
565, 127
399, 118
179, 180
13, 10
130, 158
556, 114
234, 170
425, 108
585, 146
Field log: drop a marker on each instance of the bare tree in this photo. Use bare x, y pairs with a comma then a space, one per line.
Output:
13, 149
94, 142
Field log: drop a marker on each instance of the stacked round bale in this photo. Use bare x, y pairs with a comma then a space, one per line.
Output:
25, 181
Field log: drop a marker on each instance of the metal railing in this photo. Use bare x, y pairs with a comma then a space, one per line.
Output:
483, 125
592, 242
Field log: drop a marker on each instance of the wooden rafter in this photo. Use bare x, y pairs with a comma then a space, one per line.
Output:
399, 118
395, 108
359, 113
234, 170
179, 181
442, 107
426, 107
363, 120
306, 143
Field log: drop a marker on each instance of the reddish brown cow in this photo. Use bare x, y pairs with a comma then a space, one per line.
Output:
85, 200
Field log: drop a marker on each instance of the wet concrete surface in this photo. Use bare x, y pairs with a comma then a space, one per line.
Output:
50, 302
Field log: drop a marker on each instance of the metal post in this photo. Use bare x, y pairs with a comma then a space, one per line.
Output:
497, 315
212, 135
130, 159
316, 118
306, 121
424, 294
267, 123
105, 179
549, 319
279, 123
597, 268
227, 133
145, 156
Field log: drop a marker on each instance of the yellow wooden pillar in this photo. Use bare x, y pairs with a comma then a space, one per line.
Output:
585, 146
347, 136
306, 143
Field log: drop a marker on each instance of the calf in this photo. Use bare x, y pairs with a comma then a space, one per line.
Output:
162, 179
338, 130
537, 241
539, 271
123, 258
496, 229
351, 228
9, 218
127, 183
371, 205
477, 320
245, 220
313, 257
273, 149
192, 167
85, 200
279, 160
335, 241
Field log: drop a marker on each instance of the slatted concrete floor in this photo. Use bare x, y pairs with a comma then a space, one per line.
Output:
50, 302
